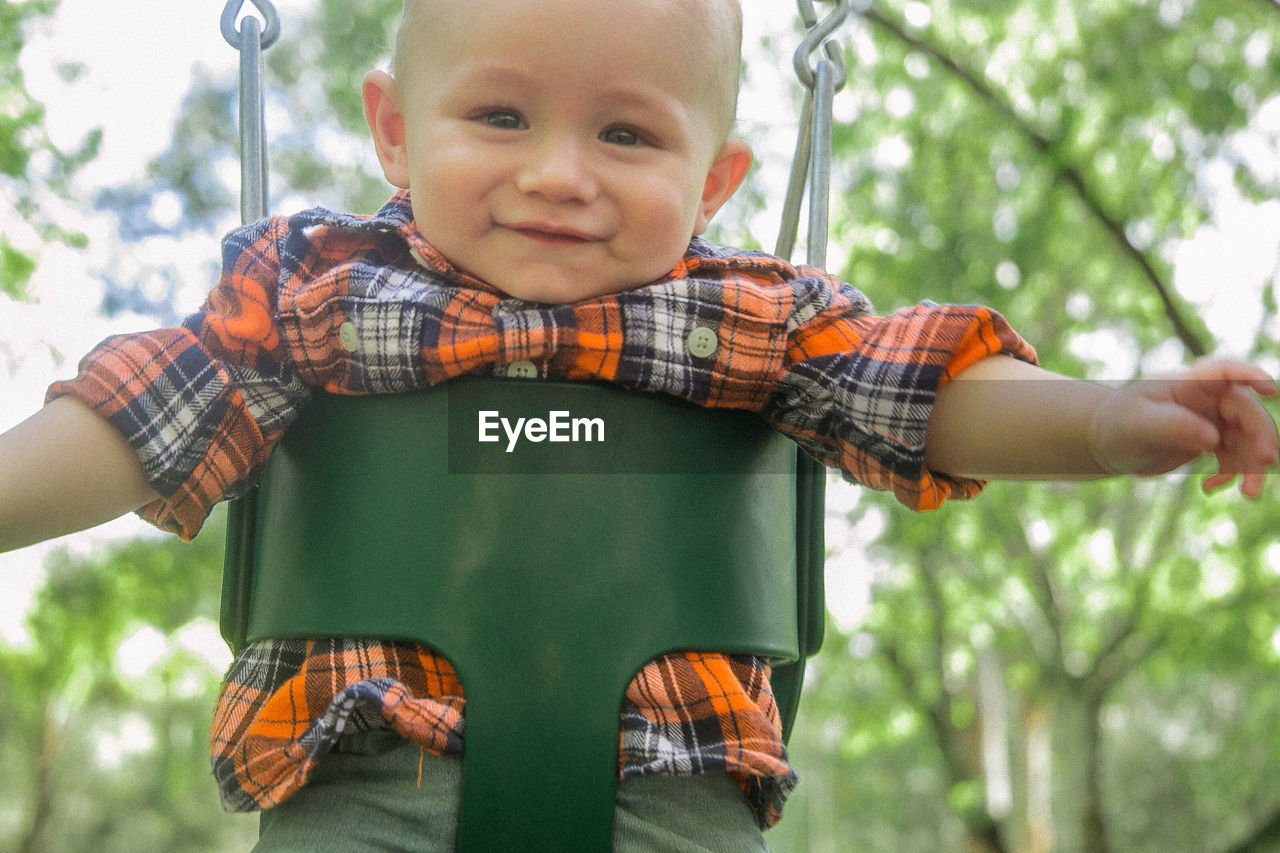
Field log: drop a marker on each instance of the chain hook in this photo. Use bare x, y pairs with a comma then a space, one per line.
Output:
270, 25
818, 36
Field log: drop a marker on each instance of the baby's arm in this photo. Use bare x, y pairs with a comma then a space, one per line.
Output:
65, 469
1005, 419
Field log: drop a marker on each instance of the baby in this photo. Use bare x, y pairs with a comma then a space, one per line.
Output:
556, 162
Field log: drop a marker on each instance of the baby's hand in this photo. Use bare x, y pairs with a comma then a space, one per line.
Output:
1156, 425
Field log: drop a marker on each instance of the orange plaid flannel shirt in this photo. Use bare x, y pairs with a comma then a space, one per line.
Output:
363, 305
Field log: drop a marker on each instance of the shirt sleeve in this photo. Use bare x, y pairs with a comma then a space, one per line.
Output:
858, 389
202, 405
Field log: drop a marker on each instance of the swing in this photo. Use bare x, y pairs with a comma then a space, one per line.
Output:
696, 529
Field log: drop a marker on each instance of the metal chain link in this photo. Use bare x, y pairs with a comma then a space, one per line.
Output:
268, 27
819, 35
811, 164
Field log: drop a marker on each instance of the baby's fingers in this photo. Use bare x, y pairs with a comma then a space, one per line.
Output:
1248, 443
1236, 373
1248, 427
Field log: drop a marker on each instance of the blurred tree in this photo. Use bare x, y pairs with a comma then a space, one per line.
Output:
105, 727
1047, 668
1067, 668
30, 164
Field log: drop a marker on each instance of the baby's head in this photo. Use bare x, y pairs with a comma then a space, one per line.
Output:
562, 149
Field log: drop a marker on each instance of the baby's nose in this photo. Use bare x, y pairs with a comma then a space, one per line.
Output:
560, 171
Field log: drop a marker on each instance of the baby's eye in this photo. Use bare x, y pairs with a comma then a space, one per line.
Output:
502, 119
621, 136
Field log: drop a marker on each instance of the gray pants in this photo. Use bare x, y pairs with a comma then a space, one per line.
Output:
369, 798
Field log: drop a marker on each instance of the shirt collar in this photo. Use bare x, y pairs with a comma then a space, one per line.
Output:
393, 218
397, 216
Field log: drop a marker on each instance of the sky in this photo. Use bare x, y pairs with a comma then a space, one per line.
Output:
138, 63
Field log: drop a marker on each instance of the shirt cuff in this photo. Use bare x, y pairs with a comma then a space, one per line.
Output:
173, 405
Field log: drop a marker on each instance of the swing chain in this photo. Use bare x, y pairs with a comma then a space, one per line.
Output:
811, 165
270, 28
242, 513
819, 37
251, 39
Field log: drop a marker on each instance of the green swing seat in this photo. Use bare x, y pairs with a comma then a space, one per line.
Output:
548, 575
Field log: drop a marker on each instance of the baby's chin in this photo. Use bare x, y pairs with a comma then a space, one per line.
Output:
564, 292
591, 274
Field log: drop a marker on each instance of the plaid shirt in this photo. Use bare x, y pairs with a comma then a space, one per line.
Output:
363, 305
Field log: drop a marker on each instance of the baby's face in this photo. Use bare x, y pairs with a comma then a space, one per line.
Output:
552, 150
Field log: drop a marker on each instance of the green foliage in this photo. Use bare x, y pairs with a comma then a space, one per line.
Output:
1026, 155
102, 751
16, 268
1045, 158
30, 164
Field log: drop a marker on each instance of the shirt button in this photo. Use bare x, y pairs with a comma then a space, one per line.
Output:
523, 370
349, 336
702, 342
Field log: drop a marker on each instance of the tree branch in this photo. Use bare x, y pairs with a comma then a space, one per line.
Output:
1070, 174
1122, 651
984, 832
1128, 655
1041, 584
906, 677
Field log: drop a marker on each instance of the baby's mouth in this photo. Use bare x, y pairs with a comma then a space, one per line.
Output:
551, 235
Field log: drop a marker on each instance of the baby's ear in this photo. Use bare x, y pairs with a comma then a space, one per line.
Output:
386, 122
723, 179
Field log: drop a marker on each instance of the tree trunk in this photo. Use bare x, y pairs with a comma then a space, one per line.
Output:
984, 840
1039, 752
1096, 839
1079, 824
42, 788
